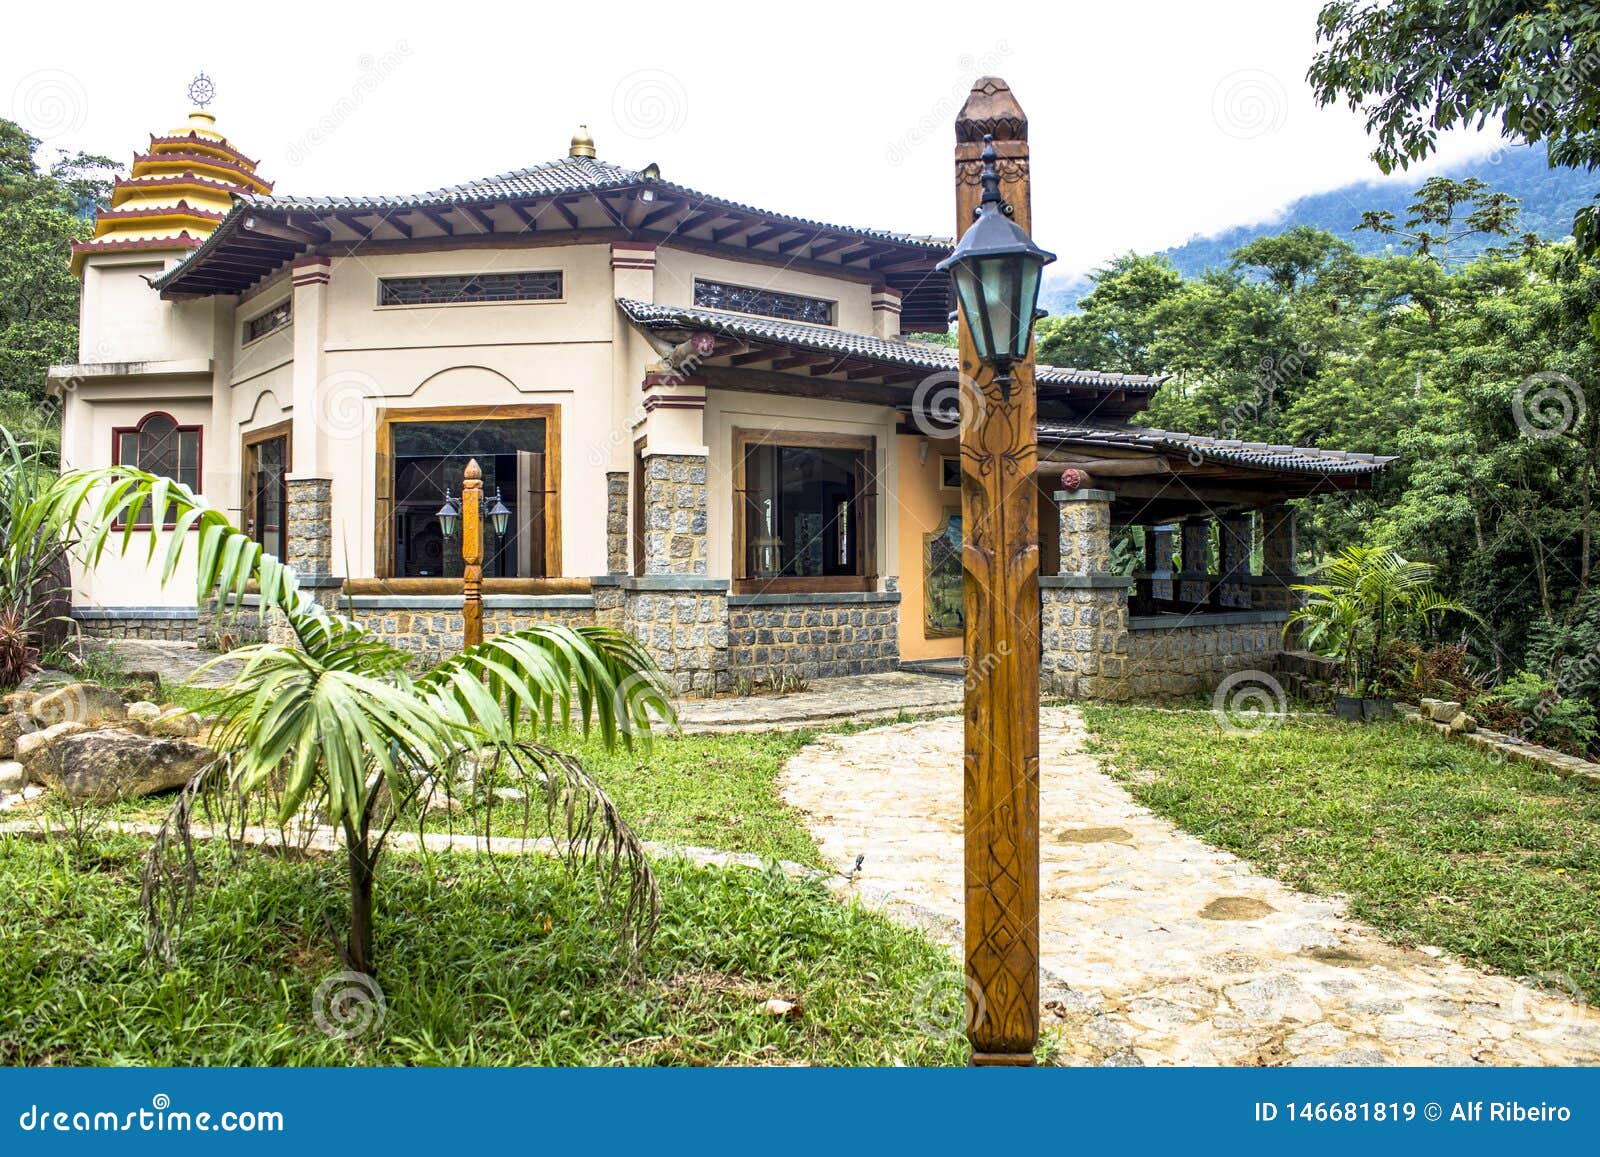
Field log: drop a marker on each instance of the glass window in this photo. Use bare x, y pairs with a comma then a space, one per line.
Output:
161, 446
803, 511
264, 323
765, 302
458, 289
429, 457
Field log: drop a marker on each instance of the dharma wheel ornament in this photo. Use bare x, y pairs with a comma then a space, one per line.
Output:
202, 91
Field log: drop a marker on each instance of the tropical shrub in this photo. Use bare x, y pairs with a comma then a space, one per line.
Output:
333, 729
1368, 599
33, 575
1531, 705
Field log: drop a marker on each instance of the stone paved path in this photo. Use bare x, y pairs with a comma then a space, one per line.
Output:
177, 663
860, 698
1157, 948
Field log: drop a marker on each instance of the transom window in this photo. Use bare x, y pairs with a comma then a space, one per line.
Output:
426, 457
806, 516
277, 317
765, 302
465, 288
159, 445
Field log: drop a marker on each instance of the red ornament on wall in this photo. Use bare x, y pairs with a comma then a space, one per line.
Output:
1071, 479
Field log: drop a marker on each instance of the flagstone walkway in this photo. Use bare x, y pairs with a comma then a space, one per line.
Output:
1157, 948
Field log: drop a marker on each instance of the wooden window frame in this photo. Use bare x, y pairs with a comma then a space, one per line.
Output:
196, 428
383, 493
866, 502
284, 430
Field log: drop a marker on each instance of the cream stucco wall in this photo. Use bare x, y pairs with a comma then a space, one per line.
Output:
676, 270
579, 354
920, 504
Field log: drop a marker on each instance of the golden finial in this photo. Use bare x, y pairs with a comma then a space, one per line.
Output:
582, 143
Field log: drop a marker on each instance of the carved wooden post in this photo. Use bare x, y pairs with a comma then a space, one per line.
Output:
1000, 557
472, 556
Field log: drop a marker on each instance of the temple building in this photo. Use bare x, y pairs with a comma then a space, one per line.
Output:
708, 423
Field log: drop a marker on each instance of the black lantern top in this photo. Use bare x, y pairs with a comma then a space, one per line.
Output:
997, 268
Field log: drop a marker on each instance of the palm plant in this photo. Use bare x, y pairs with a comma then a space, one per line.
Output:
33, 577
334, 726
1368, 598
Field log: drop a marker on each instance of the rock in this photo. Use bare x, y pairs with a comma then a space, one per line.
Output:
1444, 710
175, 724
87, 703
513, 794
113, 764
149, 712
32, 743
143, 685
16, 702
11, 726
12, 776
776, 1007
1463, 722
1425, 706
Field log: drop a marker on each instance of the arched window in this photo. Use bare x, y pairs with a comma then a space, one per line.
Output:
161, 446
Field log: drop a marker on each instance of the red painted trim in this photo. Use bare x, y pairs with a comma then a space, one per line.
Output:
652, 380
181, 241
668, 402
178, 428
314, 259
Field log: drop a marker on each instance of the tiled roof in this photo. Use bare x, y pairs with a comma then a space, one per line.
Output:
1229, 451
824, 339
567, 175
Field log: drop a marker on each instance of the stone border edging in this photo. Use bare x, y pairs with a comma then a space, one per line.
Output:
1510, 747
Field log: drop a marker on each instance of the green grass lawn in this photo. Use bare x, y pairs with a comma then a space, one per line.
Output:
503, 962
1433, 842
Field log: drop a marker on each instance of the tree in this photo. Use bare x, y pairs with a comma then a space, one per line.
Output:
334, 726
1419, 67
1446, 211
42, 212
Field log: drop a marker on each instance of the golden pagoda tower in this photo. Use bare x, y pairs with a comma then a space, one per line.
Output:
177, 192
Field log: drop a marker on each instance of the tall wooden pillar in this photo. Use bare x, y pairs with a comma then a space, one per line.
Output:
1000, 558
472, 556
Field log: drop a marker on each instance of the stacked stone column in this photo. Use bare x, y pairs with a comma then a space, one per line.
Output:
1084, 609
1158, 560
1238, 533
679, 614
1278, 566
1194, 580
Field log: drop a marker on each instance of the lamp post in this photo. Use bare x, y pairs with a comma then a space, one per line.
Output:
468, 518
996, 269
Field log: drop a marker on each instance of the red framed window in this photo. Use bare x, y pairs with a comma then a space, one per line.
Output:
159, 445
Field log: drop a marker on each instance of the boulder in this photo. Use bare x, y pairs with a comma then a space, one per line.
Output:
16, 701
175, 724
149, 712
81, 703
1463, 722
112, 764
12, 776
12, 726
141, 685
31, 744
1443, 710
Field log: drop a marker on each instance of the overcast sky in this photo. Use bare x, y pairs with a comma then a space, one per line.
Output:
1151, 120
